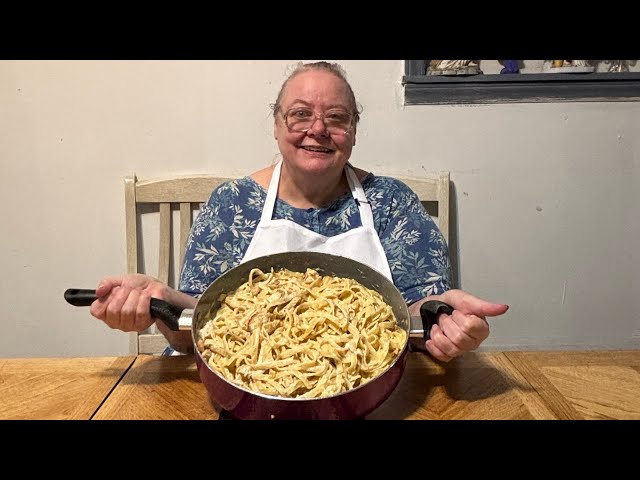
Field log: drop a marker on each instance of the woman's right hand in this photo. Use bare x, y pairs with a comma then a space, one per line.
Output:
123, 302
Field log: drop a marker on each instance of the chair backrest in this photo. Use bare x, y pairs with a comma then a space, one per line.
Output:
181, 195
185, 194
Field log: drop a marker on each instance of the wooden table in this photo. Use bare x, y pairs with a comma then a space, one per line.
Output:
57, 388
488, 385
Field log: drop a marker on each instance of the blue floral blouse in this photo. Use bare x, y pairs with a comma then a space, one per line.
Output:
416, 251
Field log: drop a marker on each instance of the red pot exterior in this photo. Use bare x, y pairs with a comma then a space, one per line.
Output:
350, 405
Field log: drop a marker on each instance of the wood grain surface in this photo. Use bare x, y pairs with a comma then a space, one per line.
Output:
474, 386
57, 388
159, 388
587, 385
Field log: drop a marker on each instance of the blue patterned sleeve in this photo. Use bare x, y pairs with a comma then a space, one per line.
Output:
219, 236
416, 250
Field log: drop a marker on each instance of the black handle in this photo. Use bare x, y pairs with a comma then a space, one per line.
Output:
429, 312
80, 297
165, 311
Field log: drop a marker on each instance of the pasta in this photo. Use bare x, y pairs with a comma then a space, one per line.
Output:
300, 335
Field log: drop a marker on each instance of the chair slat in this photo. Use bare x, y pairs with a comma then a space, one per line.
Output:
443, 205
165, 242
131, 223
193, 189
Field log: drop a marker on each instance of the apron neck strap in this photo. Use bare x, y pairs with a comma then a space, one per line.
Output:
366, 215
272, 193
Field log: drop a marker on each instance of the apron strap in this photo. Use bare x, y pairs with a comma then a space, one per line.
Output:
366, 215
272, 193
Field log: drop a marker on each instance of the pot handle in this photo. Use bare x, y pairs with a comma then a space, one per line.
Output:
429, 312
165, 311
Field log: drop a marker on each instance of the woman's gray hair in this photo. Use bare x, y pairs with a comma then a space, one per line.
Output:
333, 68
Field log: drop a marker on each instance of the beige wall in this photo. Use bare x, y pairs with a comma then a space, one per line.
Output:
544, 194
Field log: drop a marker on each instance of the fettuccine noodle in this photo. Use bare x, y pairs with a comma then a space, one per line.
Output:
301, 335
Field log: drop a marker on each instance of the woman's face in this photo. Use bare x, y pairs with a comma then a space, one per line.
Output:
317, 150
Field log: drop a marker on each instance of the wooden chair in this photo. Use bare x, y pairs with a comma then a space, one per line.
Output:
163, 198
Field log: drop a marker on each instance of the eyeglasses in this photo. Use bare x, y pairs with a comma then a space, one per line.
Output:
301, 119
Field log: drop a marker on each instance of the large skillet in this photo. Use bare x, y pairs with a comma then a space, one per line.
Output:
242, 403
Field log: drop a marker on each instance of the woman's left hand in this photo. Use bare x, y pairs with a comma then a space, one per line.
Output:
465, 329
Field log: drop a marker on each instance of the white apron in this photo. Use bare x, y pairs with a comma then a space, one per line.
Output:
276, 236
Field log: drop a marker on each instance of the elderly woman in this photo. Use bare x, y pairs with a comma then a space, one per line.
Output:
313, 199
